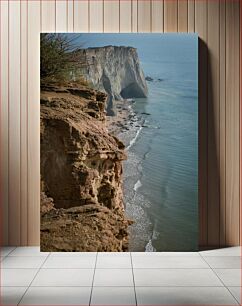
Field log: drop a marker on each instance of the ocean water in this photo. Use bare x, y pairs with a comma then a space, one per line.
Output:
161, 175
161, 172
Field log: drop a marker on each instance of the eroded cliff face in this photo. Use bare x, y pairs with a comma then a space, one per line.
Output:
116, 71
81, 174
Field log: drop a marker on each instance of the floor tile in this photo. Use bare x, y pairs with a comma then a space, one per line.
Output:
236, 292
230, 277
73, 254
184, 296
113, 296
23, 262
113, 262
4, 251
57, 296
17, 277
231, 262
169, 262
114, 254
11, 295
166, 254
231, 251
64, 277
175, 277
113, 277
70, 262
28, 251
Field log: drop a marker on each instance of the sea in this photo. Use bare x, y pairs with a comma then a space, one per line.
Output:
161, 172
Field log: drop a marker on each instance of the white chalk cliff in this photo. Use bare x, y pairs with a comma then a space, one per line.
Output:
115, 71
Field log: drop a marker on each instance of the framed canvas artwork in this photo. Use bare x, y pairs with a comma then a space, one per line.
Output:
119, 142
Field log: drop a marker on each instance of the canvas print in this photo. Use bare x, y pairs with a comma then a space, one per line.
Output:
119, 142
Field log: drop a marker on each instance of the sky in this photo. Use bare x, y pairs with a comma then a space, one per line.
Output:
163, 47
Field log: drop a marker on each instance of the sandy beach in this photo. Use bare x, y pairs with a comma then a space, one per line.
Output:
124, 120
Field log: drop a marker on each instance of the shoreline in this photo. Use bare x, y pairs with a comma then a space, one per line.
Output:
126, 124
121, 123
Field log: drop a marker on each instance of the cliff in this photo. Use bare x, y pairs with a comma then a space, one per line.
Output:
81, 173
115, 71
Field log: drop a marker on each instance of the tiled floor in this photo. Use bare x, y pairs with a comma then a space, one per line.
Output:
29, 277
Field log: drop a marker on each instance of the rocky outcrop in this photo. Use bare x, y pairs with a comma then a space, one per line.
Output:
114, 70
81, 170
87, 228
46, 203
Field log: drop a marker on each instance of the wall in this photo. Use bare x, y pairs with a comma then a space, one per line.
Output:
217, 23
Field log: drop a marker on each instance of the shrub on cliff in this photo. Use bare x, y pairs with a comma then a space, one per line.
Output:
58, 57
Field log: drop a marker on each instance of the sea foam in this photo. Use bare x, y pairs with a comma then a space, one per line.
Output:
137, 185
134, 139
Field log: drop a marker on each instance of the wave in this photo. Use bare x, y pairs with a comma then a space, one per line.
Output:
155, 234
169, 94
137, 185
149, 247
135, 138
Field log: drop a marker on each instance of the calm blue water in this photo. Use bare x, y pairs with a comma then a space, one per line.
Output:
161, 173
